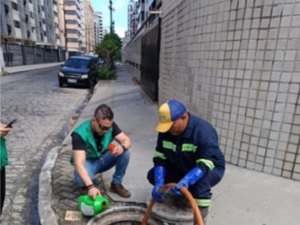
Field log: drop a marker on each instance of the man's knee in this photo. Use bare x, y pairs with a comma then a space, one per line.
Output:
125, 156
150, 176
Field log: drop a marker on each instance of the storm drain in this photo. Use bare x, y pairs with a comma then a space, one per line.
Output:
123, 215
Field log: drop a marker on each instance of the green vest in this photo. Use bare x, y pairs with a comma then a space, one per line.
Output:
86, 133
3, 153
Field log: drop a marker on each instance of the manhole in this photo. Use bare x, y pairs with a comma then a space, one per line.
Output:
123, 215
174, 209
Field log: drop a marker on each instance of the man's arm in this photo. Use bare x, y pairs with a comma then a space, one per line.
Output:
79, 156
79, 163
124, 141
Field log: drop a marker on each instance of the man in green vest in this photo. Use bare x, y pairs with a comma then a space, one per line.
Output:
3, 161
91, 156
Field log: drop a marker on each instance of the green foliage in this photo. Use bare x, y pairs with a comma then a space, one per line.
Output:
109, 49
106, 73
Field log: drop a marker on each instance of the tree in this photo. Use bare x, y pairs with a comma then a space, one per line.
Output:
109, 49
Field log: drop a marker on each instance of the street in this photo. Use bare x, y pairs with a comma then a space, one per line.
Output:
44, 113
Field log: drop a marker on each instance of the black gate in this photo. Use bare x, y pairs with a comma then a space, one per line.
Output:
15, 54
150, 61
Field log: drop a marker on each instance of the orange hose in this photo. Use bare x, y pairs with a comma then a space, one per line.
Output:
187, 194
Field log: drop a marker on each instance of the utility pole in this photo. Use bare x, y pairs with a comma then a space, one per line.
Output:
111, 19
2, 64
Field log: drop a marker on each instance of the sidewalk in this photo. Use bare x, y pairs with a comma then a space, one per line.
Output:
23, 68
244, 197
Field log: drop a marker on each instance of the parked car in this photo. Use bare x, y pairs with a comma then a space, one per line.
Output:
79, 71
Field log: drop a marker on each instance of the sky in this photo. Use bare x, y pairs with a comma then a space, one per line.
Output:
119, 14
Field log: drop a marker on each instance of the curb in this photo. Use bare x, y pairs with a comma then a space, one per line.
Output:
46, 213
26, 68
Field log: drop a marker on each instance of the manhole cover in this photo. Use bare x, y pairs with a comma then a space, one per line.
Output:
123, 215
174, 209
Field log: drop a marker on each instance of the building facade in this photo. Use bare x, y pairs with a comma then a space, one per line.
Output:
98, 27
29, 32
73, 26
30, 21
89, 27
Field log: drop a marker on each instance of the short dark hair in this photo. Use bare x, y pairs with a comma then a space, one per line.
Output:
103, 111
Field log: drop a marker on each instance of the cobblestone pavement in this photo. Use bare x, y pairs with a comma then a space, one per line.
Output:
43, 111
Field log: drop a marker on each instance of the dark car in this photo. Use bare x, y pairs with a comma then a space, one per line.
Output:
79, 71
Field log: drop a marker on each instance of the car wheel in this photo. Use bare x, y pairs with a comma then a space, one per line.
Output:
60, 83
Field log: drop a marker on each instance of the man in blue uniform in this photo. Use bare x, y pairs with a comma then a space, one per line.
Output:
187, 153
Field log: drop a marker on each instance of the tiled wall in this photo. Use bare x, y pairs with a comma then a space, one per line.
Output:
237, 64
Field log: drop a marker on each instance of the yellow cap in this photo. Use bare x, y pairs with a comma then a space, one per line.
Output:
165, 121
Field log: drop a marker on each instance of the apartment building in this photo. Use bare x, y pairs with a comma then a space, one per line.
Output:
30, 21
98, 27
72, 17
140, 17
132, 18
89, 44
29, 32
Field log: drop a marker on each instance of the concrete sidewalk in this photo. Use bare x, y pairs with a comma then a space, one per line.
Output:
244, 197
23, 68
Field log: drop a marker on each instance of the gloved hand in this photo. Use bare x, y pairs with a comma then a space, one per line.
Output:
159, 180
189, 179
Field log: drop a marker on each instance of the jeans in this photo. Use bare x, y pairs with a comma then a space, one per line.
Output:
104, 163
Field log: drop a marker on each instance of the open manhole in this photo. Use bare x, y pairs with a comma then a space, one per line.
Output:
123, 215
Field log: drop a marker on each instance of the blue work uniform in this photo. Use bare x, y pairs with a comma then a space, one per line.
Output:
196, 146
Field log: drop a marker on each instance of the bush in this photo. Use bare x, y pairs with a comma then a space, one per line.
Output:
106, 73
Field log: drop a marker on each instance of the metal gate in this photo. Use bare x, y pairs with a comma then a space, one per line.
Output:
150, 61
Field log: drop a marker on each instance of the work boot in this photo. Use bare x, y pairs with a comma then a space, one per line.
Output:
120, 190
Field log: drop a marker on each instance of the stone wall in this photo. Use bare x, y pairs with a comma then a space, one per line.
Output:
237, 64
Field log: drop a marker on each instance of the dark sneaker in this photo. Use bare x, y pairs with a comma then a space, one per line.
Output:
120, 190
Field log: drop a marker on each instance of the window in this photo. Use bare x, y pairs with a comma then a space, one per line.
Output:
8, 29
72, 31
72, 40
14, 6
70, 12
6, 7
71, 22
17, 23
